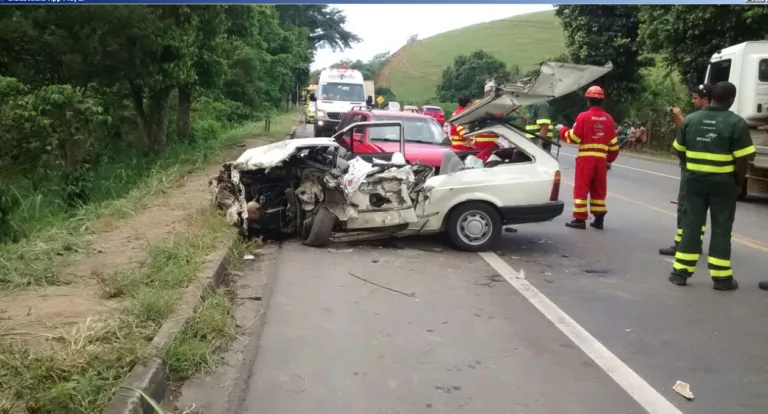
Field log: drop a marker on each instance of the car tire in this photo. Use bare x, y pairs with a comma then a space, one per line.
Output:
474, 226
318, 131
322, 228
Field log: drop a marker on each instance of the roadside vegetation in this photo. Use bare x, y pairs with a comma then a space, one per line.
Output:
99, 135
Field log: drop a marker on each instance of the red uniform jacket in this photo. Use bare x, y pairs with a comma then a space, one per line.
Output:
595, 133
458, 142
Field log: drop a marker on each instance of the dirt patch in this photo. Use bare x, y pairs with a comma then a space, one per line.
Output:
116, 245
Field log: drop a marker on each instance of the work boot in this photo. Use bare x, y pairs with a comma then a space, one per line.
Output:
763, 285
577, 224
597, 223
730, 284
679, 280
668, 251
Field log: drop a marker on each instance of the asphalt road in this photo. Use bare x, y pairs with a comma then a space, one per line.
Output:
556, 320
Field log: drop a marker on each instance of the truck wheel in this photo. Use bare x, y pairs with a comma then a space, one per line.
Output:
474, 226
322, 228
742, 191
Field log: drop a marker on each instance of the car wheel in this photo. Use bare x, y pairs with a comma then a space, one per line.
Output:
474, 227
322, 228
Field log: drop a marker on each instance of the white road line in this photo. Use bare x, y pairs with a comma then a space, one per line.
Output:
632, 168
641, 391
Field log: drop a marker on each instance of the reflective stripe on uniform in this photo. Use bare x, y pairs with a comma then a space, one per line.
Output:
571, 137
536, 129
744, 151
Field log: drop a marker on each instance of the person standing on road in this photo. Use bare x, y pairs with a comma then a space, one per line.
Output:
540, 123
458, 142
595, 133
716, 147
700, 98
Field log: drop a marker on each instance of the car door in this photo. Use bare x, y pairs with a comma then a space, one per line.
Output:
349, 118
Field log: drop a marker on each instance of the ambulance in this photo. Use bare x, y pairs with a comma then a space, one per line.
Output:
338, 90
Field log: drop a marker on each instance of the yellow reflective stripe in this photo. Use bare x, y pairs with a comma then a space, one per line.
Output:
483, 139
710, 168
613, 141
679, 231
721, 273
599, 209
532, 127
718, 262
680, 266
593, 146
677, 146
678, 238
687, 256
613, 148
709, 156
597, 201
543, 121
744, 151
573, 137
579, 209
579, 201
591, 154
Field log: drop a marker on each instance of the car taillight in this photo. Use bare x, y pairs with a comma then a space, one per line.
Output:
555, 194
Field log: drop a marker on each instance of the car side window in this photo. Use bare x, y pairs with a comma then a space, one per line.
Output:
346, 120
361, 130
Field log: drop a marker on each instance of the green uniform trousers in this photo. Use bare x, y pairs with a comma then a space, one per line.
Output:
680, 208
716, 193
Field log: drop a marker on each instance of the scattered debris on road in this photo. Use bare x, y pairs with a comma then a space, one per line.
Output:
684, 389
410, 295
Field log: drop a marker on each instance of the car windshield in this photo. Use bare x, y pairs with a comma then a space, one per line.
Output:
349, 92
433, 110
417, 129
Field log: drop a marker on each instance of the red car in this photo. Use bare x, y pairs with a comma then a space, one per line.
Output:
425, 140
435, 112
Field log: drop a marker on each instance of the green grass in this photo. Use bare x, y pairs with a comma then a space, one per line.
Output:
414, 71
54, 233
212, 326
77, 370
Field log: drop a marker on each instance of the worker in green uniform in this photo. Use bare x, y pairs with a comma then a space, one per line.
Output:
701, 97
715, 145
540, 123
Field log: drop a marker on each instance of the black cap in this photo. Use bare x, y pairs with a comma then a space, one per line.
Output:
704, 90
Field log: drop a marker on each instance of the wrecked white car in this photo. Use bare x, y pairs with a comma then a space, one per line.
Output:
318, 190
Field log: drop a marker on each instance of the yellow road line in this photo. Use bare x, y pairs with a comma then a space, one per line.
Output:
744, 241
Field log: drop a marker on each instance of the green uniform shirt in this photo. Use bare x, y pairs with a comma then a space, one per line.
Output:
711, 139
538, 115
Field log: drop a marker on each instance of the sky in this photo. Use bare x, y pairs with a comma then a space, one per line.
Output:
369, 21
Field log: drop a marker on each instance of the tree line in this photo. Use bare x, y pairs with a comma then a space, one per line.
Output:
85, 89
655, 50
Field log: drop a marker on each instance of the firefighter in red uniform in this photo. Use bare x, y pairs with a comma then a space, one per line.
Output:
458, 142
595, 134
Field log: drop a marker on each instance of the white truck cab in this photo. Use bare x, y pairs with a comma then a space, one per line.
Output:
338, 90
746, 66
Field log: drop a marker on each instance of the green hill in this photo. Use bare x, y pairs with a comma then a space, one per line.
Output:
414, 71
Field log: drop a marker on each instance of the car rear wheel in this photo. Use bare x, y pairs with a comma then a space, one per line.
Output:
474, 227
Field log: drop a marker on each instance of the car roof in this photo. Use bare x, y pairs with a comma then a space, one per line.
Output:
379, 112
431, 106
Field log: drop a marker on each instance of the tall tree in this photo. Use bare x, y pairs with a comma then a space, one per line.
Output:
468, 75
687, 36
325, 25
595, 35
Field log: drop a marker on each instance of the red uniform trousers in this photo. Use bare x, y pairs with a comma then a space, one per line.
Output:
590, 187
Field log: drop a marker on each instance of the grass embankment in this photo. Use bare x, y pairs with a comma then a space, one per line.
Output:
54, 233
414, 71
76, 369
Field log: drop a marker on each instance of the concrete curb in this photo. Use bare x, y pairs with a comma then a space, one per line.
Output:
150, 375
268, 270
291, 134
